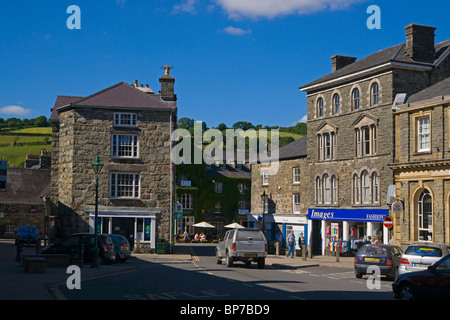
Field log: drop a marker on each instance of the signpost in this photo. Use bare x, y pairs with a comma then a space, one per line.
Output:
397, 207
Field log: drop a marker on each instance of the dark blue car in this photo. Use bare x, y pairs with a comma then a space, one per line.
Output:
385, 257
26, 233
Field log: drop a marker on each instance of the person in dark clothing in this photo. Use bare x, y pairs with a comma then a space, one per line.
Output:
19, 249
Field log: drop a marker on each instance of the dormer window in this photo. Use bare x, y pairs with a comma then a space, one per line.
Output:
125, 119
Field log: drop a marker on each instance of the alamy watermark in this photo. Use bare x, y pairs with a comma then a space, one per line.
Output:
374, 21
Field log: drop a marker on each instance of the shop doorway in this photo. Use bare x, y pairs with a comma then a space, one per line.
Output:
124, 227
316, 237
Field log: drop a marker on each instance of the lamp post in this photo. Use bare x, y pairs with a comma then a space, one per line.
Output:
264, 197
97, 166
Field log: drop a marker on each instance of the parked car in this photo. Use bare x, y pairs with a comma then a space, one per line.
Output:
243, 244
86, 241
121, 247
434, 282
420, 256
386, 257
28, 232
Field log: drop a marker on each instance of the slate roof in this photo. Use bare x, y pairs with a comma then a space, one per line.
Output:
120, 95
439, 89
294, 150
392, 54
26, 186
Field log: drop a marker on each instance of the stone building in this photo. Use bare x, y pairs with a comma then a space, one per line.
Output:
22, 200
421, 165
351, 134
288, 192
129, 128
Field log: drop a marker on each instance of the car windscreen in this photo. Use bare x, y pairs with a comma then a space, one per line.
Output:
244, 235
374, 250
424, 251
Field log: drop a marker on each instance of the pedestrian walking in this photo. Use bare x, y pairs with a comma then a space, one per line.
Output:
301, 242
291, 244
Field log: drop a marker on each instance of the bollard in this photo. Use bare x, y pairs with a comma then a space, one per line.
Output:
278, 248
338, 251
309, 252
303, 252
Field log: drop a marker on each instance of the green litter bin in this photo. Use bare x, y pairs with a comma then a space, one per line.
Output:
76, 254
161, 246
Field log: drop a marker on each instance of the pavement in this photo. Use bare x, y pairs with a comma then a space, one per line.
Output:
16, 284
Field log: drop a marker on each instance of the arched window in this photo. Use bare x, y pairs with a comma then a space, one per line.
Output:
355, 98
327, 188
425, 216
375, 187
334, 185
375, 94
336, 103
320, 107
318, 190
355, 188
365, 181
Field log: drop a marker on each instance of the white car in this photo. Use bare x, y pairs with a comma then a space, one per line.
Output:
243, 244
420, 256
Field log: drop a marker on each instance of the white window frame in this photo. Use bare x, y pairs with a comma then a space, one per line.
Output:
219, 187
335, 189
296, 175
423, 134
356, 99
114, 187
120, 119
375, 94
265, 177
296, 203
187, 201
117, 149
365, 187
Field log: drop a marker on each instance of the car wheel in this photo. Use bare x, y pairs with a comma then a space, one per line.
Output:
229, 261
219, 261
261, 263
358, 275
407, 292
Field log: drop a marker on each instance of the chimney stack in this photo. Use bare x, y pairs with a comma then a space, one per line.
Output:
420, 42
338, 62
167, 86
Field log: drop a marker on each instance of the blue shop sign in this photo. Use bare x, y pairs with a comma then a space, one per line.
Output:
363, 215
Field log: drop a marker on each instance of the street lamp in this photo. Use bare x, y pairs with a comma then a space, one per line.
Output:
264, 198
97, 166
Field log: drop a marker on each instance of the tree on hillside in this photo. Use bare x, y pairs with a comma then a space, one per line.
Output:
244, 125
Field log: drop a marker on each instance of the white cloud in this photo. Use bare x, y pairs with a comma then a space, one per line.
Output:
15, 111
236, 31
187, 6
273, 8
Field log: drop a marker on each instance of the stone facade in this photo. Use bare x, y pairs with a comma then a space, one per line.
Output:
83, 132
354, 143
422, 177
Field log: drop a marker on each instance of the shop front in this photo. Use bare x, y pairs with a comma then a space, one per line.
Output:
137, 225
345, 230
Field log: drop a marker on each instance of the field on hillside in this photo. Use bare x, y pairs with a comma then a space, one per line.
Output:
15, 147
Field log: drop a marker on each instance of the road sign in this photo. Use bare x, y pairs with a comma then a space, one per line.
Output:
388, 223
178, 215
397, 207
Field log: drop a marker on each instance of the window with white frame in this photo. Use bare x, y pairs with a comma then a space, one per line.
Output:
366, 140
375, 188
125, 119
242, 205
296, 175
334, 184
265, 177
318, 190
326, 188
296, 202
186, 201
124, 146
327, 146
356, 191
242, 187
365, 181
218, 187
423, 134
124, 185
366, 188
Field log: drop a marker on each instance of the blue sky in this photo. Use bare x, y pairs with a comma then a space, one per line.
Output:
234, 60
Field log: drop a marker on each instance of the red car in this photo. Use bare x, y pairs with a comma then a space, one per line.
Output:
431, 283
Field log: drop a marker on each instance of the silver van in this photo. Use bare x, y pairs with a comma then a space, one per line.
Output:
243, 244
